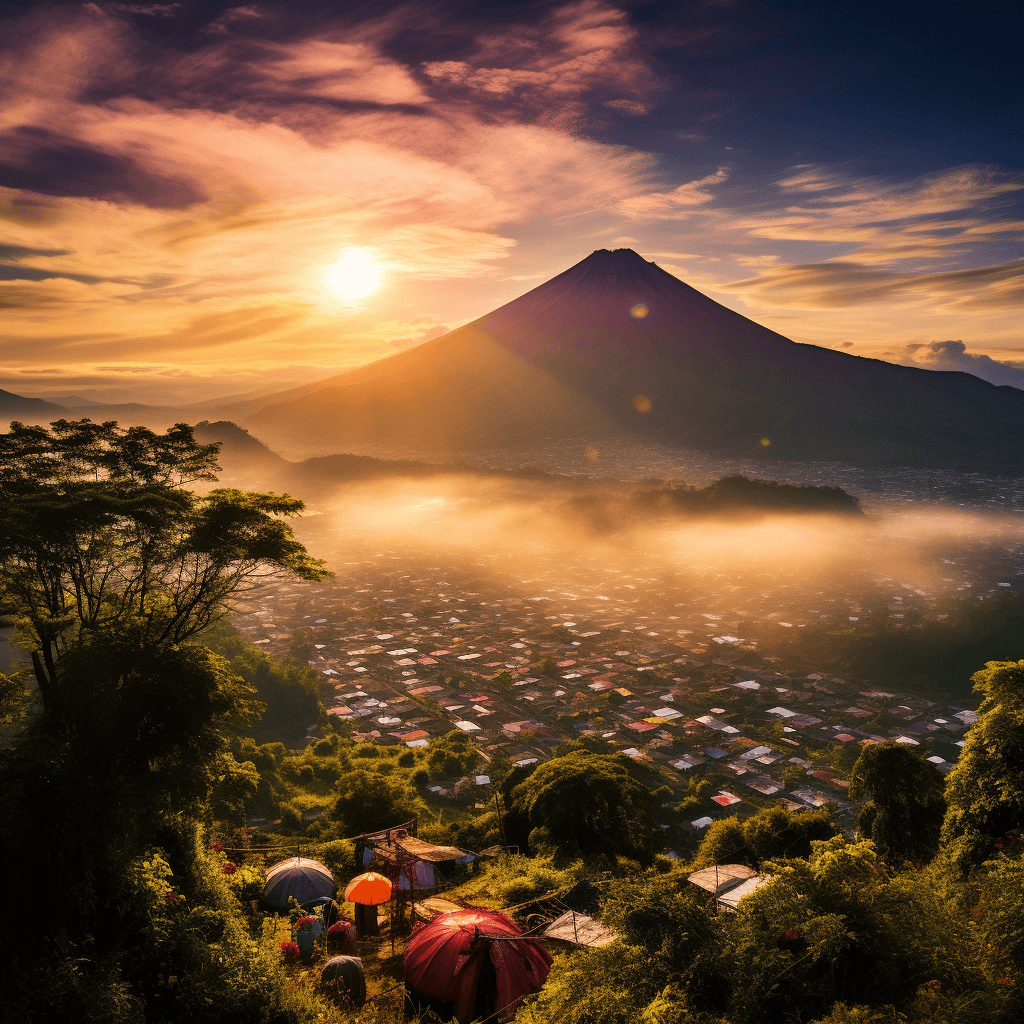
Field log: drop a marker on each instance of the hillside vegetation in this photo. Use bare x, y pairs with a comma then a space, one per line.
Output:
145, 740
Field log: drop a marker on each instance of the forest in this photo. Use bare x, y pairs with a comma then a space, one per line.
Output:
141, 736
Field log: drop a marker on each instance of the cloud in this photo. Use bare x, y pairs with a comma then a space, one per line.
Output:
674, 204
548, 69
932, 217
839, 284
953, 355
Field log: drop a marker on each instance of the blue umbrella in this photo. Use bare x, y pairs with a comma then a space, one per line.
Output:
298, 878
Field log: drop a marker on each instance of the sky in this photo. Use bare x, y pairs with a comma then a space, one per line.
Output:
178, 181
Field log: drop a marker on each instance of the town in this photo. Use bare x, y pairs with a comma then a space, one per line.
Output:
409, 648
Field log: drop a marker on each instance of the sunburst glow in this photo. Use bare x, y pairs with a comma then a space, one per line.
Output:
356, 275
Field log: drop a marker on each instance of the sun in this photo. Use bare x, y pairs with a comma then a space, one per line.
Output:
357, 274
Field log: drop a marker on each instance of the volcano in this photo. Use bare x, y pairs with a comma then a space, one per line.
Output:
616, 346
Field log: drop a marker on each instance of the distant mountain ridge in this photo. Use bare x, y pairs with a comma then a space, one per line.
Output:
14, 406
617, 346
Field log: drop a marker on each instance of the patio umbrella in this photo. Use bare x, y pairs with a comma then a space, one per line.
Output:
474, 963
297, 877
368, 890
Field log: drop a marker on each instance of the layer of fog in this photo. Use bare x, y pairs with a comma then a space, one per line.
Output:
521, 533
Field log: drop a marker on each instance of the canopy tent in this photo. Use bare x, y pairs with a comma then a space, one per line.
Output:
297, 877
474, 963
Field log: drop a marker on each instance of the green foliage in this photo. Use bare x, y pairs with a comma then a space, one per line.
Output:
589, 804
452, 755
517, 878
985, 789
905, 814
288, 690
840, 924
98, 531
366, 801
115, 569
770, 833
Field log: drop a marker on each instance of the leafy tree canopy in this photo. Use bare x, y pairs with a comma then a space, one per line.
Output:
904, 816
985, 789
99, 527
589, 804
368, 800
452, 755
770, 833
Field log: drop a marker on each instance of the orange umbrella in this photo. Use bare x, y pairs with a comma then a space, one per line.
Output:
368, 890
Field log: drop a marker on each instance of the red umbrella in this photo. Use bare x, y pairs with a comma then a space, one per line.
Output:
447, 959
368, 890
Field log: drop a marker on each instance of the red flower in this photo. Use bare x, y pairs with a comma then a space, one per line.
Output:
791, 935
303, 922
290, 952
1005, 981
338, 928
171, 897
227, 868
218, 847
999, 844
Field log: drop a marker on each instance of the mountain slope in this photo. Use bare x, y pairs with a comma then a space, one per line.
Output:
573, 359
16, 407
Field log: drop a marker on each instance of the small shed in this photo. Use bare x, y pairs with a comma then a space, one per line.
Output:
579, 929
729, 882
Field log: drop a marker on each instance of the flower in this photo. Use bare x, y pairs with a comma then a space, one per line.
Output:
1005, 981
218, 847
227, 868
303, 922
338, 928
791, 935
290, 952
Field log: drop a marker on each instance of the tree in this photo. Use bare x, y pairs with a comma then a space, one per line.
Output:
113, 568
904, 816
452, 755
985, 790
100, 529
773, 832
589, 804
367, 801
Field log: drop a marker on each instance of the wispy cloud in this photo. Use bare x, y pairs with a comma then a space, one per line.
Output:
675, 203
839, 284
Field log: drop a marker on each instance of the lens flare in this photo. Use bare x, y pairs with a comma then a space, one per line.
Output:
639, 311
356, 275
641, 403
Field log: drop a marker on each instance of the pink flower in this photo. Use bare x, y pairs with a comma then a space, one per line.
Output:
290, 952
227, 868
